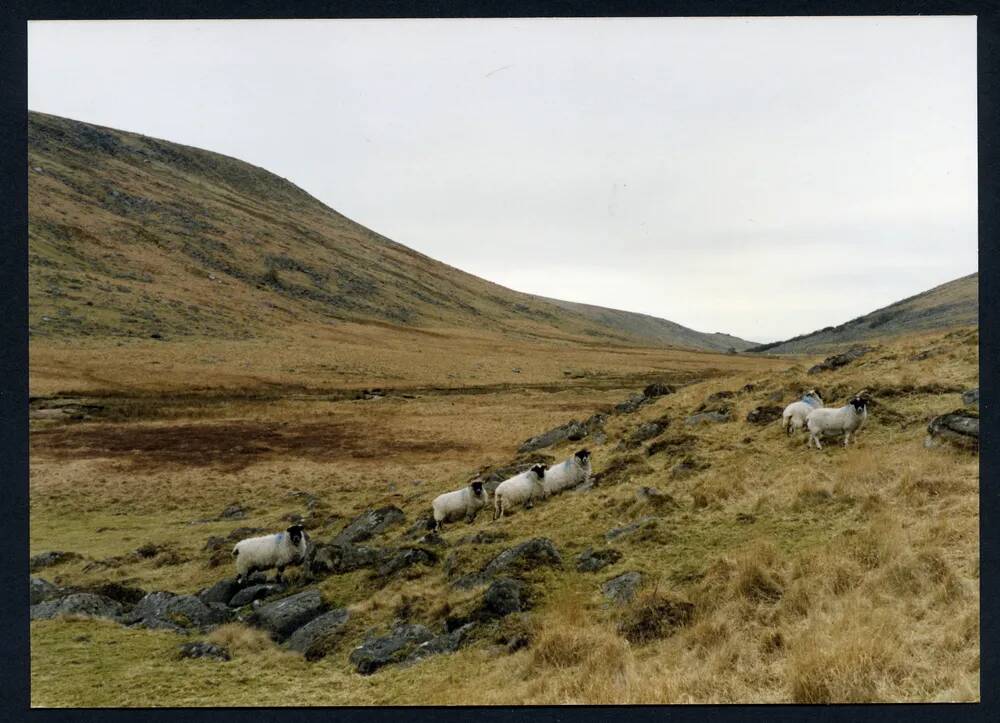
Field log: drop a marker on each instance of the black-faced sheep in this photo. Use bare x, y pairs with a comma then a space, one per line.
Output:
277, 550
794, 417
465, 502
842, 420
520, 489
570, 473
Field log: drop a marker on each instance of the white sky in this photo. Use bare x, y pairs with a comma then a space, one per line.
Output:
763, 177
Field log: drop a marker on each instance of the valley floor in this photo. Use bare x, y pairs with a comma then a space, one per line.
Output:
840, 575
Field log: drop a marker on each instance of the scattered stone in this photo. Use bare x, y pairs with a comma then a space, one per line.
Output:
317, 638
254, 592
631, 404
233, 512
420, 526
283, 617
386, 650
960, 428
169, 611
340, 558
642, 523
447, 643
124, 594
201, 649
42, 590
675, 444
48, 559
658, 389
838, 360
718, 396
406, 557
622, 589
81, 603
526, 556
645, 432
764, 415
370, 523
591, 561
572, 430
721, 415
483, 537
687, 467
971, 397
214, 543
503, 597
221, 592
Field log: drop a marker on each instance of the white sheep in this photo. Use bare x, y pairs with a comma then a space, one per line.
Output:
277, 550
794, 417
465, 502
844, 420
520, 489
569, 473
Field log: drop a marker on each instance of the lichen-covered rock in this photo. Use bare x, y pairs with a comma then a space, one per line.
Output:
221, 592
528, 555
591, 560
81, 603
960, 428
42, 590
370, 523
715, 417
338, 558
406, 557
643, 433
127, 595
388, 649
48, 559
687, 467
201, 649
283, 617
316, 638
254, 592
631, 404
838, 360
169, 611
622, 589
658, 389
764, 415
970, 397
503, 597
630, 529
572, 430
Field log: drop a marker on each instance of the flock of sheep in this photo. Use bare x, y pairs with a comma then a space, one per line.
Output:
291, 546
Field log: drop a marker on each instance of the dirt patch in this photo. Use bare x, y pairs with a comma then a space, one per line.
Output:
231, 445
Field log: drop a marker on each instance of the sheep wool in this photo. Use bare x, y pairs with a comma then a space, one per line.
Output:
520, 489
843, 420
277, 550
466, 502
570, 473
794, 417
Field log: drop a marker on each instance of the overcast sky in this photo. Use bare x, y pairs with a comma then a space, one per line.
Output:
763, 177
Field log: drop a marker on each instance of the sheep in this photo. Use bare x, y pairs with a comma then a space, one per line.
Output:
520, 489
267, 551
794, 417
569, 473
829, 422
453, 505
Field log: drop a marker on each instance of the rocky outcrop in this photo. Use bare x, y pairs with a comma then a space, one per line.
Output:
591, 560
318, 637
368, 524
622, 589
764, 415
82, 603
283, 617
960, 428
838, 360
180, 613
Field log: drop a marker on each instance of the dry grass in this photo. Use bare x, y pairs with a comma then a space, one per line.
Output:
815, 576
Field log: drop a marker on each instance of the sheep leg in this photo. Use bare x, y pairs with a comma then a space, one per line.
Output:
847, 438
281, 570
814, 438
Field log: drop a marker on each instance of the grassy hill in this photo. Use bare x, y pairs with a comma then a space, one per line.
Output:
134, 236
955, 303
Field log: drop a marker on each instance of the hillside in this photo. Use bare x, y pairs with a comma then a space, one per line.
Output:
134, 236
955, 303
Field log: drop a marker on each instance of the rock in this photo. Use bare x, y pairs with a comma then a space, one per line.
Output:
764, 415
370, 523
221, 592
317, 637
658, 389
201, 649
687, 467
283, 617
233, 512
971, 397
714, 417
48, 559
42, 590
591, 561
215, 543
622, 589
631, 404
341, 558
254, 592
675, 444
747, 388
167, 610
406, 557
124, 594
960, 428
838, 360
718, 396
241, 533
420, 526
433, 538
503, 597
483, 537
526, 556
645, 432
447, 643
81, 603
630, 529
572, 430
386, 650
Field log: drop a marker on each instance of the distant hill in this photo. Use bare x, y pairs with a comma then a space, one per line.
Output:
955, 303
134, 236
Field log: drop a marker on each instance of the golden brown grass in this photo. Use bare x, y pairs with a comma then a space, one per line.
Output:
816, 576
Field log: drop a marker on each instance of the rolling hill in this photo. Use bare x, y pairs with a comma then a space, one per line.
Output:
131, 236
955, 303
